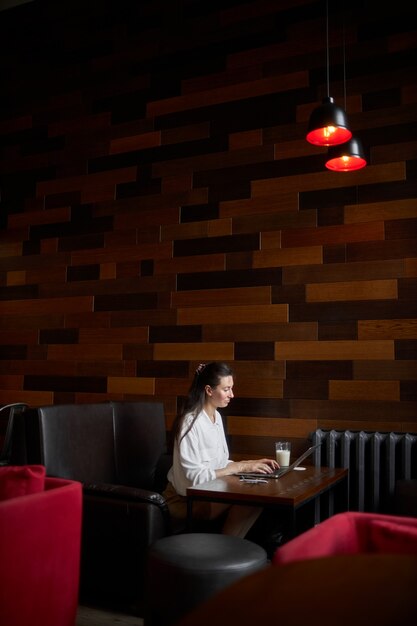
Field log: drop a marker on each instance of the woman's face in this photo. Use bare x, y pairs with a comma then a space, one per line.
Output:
220, 396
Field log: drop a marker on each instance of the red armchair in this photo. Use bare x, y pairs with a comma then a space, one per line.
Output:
352, 533
40, 536
352, 569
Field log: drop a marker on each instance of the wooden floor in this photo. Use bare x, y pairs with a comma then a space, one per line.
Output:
89, 616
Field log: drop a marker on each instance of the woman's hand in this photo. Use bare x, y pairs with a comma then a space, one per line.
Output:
263, 466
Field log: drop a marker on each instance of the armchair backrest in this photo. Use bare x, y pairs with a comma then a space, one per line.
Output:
139, 442
77, 441
119, 443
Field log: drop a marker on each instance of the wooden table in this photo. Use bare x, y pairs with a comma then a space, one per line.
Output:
288, 493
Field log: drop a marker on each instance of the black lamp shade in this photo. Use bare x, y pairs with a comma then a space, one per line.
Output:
346, 157
328, 125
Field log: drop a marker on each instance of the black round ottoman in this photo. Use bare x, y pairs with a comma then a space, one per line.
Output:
184, 570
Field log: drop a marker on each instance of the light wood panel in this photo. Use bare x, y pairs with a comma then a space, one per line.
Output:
358, 290
367, 390
232, 314
336, 350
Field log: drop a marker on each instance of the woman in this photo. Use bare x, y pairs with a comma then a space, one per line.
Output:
201, 452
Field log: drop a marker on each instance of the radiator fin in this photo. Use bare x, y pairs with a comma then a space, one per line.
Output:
375, 461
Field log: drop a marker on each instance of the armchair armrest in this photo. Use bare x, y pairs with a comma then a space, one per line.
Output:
119, 524
132, 495
123, 492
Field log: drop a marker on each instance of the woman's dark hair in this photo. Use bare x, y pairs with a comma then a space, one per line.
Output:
209, 374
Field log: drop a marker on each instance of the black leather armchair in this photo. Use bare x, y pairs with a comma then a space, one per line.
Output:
8, 426
118, 451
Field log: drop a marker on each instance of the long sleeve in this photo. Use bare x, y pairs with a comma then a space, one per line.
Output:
197, 456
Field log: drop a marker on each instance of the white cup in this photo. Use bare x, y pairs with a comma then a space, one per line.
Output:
283, 453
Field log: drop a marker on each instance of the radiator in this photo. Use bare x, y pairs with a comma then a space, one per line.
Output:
375, 462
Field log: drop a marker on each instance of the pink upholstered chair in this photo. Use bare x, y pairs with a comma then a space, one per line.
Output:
40, 536
352, 533
352, 569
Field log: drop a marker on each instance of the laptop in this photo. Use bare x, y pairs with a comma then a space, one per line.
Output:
282, 470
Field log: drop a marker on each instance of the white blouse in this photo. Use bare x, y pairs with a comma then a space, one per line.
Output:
203, 450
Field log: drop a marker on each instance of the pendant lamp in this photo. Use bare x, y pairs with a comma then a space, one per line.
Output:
349, 156
346, 157
328, 124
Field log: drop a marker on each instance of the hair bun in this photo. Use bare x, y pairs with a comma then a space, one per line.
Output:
200, 369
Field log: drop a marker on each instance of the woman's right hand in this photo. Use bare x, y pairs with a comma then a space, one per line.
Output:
263, 466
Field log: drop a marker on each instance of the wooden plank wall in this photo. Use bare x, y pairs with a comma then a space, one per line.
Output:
160, 207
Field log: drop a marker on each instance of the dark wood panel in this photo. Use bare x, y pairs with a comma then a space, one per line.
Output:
213, 245
30, 321
38, 367
142, 317
385, 370
160, 334
83, 272
45, 306
319, 370
167, 369
125, 301
338, 330
19, 292
161, 207
290, 294
11, 352
375, 250
67, 241
408, 391
406, 349
65, 383
229, 279
256, 351
277, 221
50, 216
131, 335
76, 183
407, 289
331, 311
262, 369
124, 285
345, 233
343, 271
239, 296
264, 407
355, 411
34, 261
58, 335
304, 389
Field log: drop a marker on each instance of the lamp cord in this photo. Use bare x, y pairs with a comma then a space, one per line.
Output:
344, 57
327, 48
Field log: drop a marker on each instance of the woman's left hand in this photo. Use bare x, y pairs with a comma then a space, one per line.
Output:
264, 466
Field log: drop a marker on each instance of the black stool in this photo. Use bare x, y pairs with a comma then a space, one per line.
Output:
184, 570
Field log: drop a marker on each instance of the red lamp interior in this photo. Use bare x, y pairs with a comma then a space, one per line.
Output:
329, 136
345, 163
